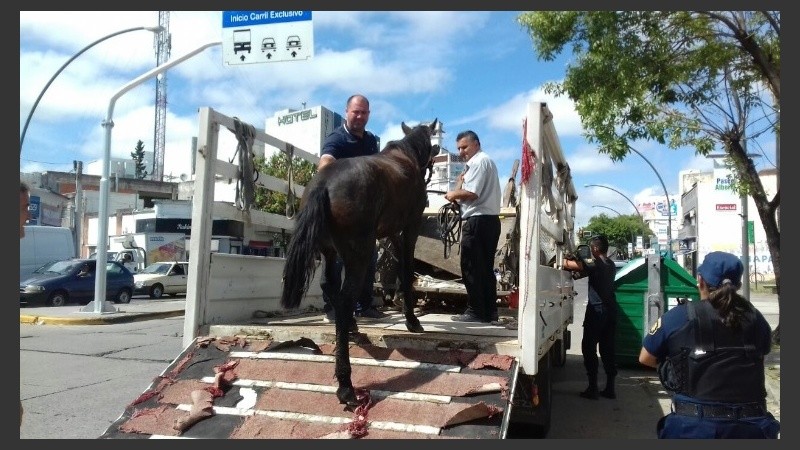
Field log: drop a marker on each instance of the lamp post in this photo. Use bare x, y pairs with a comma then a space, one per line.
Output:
156, 29
669, 205
624, 196
99, 303
633, 238
620, 193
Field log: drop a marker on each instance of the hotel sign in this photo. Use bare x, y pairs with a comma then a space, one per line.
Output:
291, 118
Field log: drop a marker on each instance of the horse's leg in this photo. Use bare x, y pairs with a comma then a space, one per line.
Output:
408, 240
333, 284
345, 392
355, 269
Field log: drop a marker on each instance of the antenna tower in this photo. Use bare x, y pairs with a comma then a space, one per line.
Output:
163, 45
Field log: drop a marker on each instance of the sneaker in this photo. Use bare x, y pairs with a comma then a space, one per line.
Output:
330, 316
371, 313
465, 318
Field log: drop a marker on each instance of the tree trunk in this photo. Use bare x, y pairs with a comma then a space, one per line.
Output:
766, 212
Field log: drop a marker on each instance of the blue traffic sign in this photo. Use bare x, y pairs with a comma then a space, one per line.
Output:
249, 18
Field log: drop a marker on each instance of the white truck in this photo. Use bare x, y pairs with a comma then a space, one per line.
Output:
253, 370
138, 250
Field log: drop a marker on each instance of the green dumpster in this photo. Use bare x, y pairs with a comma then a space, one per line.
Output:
647, 287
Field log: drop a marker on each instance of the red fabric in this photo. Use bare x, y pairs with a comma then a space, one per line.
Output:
528, 156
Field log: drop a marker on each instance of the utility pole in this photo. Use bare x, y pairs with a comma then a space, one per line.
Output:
78, 166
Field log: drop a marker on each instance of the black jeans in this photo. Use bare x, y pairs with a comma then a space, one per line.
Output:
479, 237
599, 328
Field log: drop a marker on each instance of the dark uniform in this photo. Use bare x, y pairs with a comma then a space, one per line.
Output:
600, 320
715, 373
341, 144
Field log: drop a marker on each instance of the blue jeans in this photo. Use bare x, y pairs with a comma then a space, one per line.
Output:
330, 288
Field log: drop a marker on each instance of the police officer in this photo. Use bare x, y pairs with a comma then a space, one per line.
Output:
600, 320
710, 356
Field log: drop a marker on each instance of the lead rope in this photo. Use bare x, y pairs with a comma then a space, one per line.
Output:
245, 184
450, 226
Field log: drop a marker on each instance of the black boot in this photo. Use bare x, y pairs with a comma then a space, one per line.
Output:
609, 391
591, 391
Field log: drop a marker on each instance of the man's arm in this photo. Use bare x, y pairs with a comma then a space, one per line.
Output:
324, 160
460, 194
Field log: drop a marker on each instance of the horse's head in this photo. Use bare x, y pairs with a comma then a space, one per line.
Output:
420, 138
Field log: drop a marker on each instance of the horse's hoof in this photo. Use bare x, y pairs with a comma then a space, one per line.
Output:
415, 327
347, 396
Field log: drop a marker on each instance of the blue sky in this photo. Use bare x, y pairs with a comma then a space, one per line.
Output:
470, 69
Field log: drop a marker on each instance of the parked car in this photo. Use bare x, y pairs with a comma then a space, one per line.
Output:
73, 280
46, 266
161, 278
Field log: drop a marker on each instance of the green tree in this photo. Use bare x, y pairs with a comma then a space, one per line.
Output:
619, 230
278, 167
685, 79
138, 159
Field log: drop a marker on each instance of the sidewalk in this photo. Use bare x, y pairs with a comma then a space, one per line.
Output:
73, 314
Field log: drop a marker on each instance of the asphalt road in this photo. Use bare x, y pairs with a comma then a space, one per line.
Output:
76, 380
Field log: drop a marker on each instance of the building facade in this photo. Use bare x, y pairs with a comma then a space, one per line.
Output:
658, 217
712, 219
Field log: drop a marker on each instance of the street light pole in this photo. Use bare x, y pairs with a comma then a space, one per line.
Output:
626, 198
620, 193
156, 29
669, 205
102, 214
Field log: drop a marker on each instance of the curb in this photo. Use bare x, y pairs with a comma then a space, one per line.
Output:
773, 385
135, 317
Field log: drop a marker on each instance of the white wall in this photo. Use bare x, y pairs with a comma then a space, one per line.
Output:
720, 228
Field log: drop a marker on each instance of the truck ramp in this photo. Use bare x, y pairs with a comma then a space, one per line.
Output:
257, 387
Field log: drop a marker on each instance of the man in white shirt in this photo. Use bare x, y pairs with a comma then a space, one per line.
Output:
479, 201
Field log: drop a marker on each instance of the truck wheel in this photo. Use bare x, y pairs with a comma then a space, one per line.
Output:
156, 291
530, 418
58, 298
123, 296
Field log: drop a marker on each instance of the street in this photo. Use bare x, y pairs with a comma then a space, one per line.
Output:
75, 380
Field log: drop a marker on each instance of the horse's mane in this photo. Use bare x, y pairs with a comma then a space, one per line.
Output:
416, 142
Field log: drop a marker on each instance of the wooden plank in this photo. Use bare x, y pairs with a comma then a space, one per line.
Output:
431, 251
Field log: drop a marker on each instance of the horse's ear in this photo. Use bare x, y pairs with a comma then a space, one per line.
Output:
406, 128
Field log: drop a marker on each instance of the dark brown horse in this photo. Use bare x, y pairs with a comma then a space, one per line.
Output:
347, 206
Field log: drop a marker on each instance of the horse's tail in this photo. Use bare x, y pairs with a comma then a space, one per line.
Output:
304, 247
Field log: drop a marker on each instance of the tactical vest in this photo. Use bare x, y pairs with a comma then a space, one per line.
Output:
710, 362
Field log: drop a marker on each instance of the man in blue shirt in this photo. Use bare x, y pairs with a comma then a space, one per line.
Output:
350, 140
